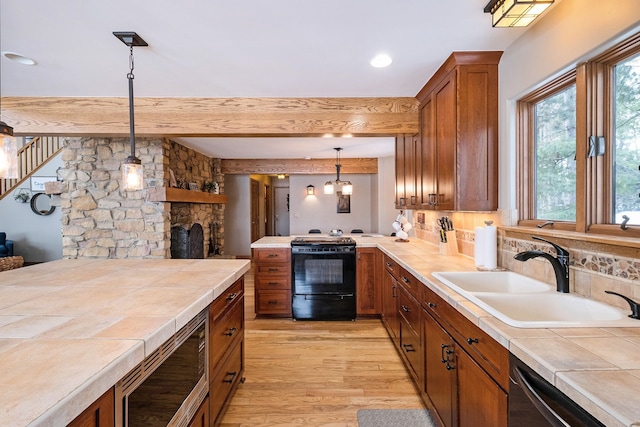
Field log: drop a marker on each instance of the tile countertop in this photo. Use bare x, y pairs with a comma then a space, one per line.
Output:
70, 329
599, 368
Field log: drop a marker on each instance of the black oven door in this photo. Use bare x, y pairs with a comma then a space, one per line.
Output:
324, 285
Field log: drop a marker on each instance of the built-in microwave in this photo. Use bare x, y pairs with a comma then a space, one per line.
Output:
168, 386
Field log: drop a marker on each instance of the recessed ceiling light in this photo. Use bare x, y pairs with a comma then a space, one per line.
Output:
380, 61
20, 59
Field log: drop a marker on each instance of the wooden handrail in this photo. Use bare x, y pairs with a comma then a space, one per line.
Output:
31, 157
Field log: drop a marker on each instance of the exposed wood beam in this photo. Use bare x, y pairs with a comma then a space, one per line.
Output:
298, 166
192, 117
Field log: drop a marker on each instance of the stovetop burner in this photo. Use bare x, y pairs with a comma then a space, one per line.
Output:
333, 241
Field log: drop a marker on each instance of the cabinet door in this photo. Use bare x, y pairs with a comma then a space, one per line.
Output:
481, 402
100, 414
201, 418
427, 156
444, 105
389, 306
440, 374
367, 294
401, 199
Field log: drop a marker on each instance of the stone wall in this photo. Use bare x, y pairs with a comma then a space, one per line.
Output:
100, 220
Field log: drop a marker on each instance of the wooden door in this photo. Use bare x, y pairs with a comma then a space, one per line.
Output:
445, 135
481, 402
440, 381
367, 295
255, 210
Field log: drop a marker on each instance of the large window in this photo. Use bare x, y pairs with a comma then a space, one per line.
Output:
579, 147
627, 141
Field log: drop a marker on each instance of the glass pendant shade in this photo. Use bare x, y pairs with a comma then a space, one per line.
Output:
344, 186
347, 187
328, 187
8, 153
132, 174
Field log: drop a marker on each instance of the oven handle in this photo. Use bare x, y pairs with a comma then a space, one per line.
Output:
328, 297
537, 401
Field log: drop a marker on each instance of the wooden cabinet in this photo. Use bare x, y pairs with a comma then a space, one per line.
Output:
408, 161
272, 281
201, 417
410, 342
390, 286
466, 371
458, 147
368, 297
226, 348
101, 413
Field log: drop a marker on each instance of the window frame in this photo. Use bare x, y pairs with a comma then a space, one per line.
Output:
594, 116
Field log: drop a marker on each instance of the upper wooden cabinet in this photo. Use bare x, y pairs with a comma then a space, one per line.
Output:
458, 145
408, 165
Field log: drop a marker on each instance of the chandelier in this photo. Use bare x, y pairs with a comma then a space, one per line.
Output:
345, 186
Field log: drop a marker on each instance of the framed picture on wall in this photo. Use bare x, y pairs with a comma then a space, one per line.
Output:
344, 202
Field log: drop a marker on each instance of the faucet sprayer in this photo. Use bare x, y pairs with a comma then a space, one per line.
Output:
560, 263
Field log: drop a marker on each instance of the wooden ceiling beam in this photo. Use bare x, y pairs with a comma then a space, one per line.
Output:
211, 117
298, 166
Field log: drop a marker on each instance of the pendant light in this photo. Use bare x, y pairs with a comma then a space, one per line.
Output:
8, 150
345, 186
132, 170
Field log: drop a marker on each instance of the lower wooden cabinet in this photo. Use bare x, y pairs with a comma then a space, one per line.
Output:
100, 414
201, 418
272, 282
368, 298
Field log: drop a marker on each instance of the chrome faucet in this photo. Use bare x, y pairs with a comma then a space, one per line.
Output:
560, 263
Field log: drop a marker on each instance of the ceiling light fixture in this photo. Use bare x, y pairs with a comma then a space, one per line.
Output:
20, 59
345, 186
380, 61
132, 170
515, 13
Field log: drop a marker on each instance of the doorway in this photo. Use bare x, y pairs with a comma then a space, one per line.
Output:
255, 210
281, 210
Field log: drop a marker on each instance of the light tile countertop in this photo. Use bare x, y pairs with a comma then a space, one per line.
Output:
599, 368
70, 329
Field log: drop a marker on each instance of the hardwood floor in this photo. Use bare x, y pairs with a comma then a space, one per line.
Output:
316, 373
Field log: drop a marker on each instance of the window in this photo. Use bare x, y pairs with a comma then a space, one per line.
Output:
579, 146
627, 141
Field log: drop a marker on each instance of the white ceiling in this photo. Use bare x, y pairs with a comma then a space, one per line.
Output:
241, 48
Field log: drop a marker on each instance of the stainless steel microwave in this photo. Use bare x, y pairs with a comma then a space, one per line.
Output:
167, 388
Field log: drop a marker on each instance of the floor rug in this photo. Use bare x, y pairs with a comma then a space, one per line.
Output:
394, 417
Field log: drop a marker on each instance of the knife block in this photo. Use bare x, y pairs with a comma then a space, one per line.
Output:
450, 247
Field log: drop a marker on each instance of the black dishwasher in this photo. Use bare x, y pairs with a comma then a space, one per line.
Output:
534, 402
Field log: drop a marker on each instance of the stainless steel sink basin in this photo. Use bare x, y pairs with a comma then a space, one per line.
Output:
489, 281
523, 302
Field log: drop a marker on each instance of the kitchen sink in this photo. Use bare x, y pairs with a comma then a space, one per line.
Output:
551, 310
523, 302
492, 281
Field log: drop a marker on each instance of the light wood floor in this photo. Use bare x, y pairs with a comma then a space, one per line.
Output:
311, 373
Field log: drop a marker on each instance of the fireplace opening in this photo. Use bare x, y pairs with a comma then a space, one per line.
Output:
187, 244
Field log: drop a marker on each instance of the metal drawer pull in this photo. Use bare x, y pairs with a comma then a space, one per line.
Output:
472, 340
232, 375
232, 296
272, 255
405, 308
432, 304
231, 331
389, 264
405, 280
408, 348
272, 283
271, 269
273, 302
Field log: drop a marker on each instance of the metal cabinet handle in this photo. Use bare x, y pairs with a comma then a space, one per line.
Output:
405, 280
272, 283
270, 269
232, 375
272, 255
389, 264
232, 296
272, 302
231, 331
432, 304
470, 341
408, 348
405, 308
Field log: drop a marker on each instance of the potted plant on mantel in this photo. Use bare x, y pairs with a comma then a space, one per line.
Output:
212, 187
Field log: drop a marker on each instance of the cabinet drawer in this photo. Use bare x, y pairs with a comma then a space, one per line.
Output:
223, 332
409, 309
275, 282
224, 381
273, 270
272, 255
273, 302
484, 350
412, 284
411, 349
391, 266
227, 298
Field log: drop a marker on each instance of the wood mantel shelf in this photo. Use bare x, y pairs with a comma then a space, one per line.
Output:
170, 194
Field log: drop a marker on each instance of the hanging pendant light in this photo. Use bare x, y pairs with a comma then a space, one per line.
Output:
132, 170
345, 186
